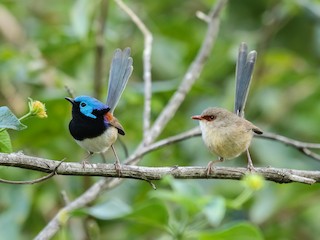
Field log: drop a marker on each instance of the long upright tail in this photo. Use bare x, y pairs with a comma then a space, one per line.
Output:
120, 71
244, 70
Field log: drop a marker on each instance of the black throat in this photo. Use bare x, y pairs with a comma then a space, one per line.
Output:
82, 127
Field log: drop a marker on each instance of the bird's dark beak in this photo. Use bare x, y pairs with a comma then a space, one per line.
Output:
69, 99
197, 117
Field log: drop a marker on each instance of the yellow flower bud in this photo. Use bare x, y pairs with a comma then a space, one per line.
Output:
253, 181
37, 108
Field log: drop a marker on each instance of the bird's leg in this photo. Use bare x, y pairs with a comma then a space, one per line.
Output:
117, 164
85, 160
210, 164
250, 166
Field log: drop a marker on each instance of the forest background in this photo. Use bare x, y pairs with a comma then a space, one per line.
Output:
47, 45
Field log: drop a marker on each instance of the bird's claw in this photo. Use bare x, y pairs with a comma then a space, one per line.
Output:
117, 167
250, 168
209, 168
85, 162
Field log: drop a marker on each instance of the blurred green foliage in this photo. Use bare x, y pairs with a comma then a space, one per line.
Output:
45, 45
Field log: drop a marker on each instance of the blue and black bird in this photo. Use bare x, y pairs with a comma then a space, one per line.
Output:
93, 125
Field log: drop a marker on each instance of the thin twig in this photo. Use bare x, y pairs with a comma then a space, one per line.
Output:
191, 75
289, 141
310, 154
50, 175
303, 147
146, 64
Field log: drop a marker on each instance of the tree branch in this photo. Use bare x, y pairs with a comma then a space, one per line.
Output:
303, 147
154, 173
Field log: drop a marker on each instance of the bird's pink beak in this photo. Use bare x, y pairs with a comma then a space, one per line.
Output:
197, 117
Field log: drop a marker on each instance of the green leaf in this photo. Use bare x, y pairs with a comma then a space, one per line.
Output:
14, 211
153, 214
215, 210
239, 231
5, 142
9, 120
112, 209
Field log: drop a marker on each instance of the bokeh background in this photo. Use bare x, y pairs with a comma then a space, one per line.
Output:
45, 45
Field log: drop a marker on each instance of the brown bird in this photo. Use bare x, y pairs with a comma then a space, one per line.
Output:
225, 134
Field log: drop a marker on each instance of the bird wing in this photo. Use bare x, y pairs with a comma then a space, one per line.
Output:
257, 130
118, 126
113, 121
120, 71
244, 70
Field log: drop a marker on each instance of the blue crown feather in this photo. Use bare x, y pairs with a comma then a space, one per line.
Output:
88, 104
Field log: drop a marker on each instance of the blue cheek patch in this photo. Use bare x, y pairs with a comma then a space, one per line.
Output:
87, 110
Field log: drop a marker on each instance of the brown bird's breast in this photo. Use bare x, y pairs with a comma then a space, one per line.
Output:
229, 141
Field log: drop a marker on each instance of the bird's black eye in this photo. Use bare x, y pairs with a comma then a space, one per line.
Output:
210, 117
83, 104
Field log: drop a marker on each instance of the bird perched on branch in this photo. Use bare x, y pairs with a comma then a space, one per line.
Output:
93, 125
225, 133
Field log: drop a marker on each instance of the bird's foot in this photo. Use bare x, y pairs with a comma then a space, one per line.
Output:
117, 167
250, 167
85, 162
175, 167
209, 168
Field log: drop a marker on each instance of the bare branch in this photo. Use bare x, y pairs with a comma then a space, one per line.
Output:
289, 141
50, 175
310, 154
155, 173
191, 75
146, 64
33, 181
108, 170
303, 147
